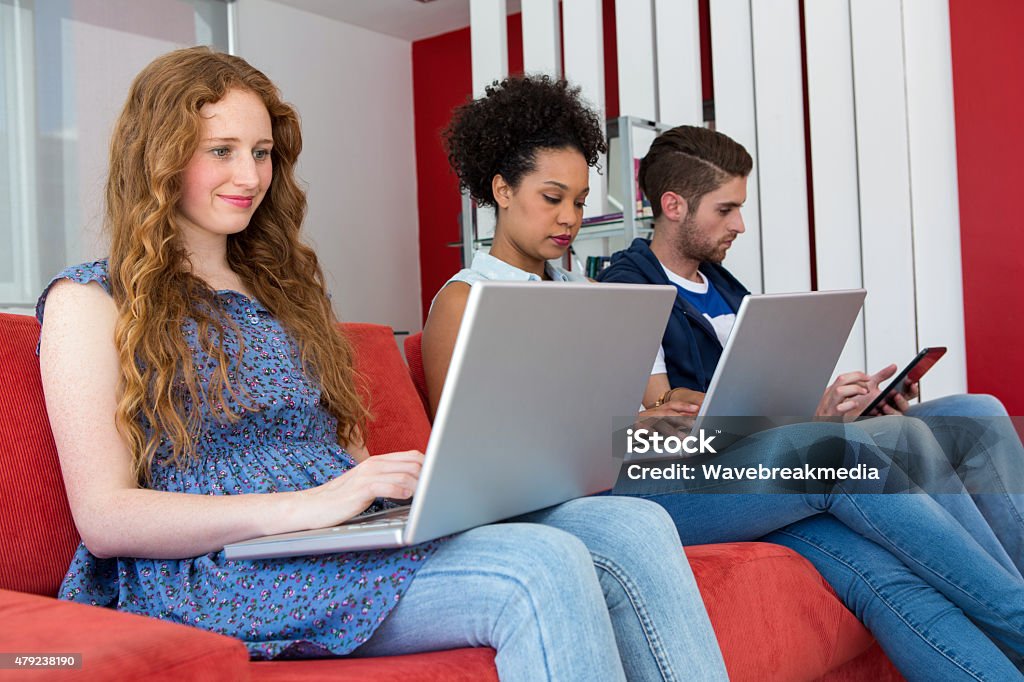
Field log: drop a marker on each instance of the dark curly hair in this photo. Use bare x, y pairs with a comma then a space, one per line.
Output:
500, 133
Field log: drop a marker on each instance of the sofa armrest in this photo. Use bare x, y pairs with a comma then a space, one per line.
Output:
114, 645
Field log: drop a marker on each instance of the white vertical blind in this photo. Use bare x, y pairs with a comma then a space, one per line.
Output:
933, 191
882, 143
834, 158
883, 175
778, 101
488, 39
677, 28
583, 42
733, 74
638, 96
635, 48
542, 51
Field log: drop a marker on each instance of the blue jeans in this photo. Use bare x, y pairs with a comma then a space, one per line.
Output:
921, 631
928, 539
592, 589
979, 442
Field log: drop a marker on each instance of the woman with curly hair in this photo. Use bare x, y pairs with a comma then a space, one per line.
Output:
524, 149
941, 601
199, 395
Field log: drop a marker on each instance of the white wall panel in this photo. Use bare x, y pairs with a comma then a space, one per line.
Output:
488, 40
583, 42
884, 179
542, 51
634, 31
933, 190
635, 55
834, 158
733, 73
778, 97
677, 26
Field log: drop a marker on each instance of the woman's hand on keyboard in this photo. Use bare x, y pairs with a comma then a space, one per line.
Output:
393, 475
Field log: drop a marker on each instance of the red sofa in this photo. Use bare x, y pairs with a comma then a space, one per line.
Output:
775, 617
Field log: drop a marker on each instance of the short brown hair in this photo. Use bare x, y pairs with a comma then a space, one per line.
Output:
691, 161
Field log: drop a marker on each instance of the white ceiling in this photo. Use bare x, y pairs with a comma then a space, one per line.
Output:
407, 19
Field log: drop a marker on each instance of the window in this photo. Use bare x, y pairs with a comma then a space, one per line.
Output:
65, 68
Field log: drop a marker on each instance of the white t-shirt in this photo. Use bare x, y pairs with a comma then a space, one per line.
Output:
722, 323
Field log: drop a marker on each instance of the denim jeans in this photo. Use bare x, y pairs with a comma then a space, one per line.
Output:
592, 589
928, 539
979, 441
921, 631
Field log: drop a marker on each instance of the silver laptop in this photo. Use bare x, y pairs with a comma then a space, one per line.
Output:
782, 350
525, 420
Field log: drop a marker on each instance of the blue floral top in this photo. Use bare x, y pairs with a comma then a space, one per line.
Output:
293, 607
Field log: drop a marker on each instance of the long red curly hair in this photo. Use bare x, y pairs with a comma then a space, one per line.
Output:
153, 141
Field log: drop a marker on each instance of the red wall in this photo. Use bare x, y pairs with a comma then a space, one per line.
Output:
988, 73
442, 80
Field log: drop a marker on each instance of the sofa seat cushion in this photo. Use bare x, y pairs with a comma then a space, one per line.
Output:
871, 665
115, 645
414, 358
774, 615
457, 665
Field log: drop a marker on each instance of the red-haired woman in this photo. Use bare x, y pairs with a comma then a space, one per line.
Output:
199, 395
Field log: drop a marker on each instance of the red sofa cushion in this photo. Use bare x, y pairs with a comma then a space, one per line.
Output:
458, 665
38, 533
774, 615
398, 421
116, 645
872, 665
414, 357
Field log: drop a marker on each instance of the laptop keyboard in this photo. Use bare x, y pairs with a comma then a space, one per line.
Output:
388, 518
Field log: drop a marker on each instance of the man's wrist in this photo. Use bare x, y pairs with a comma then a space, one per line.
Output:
665, 397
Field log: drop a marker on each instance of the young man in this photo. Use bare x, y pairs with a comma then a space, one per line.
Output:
696, 180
